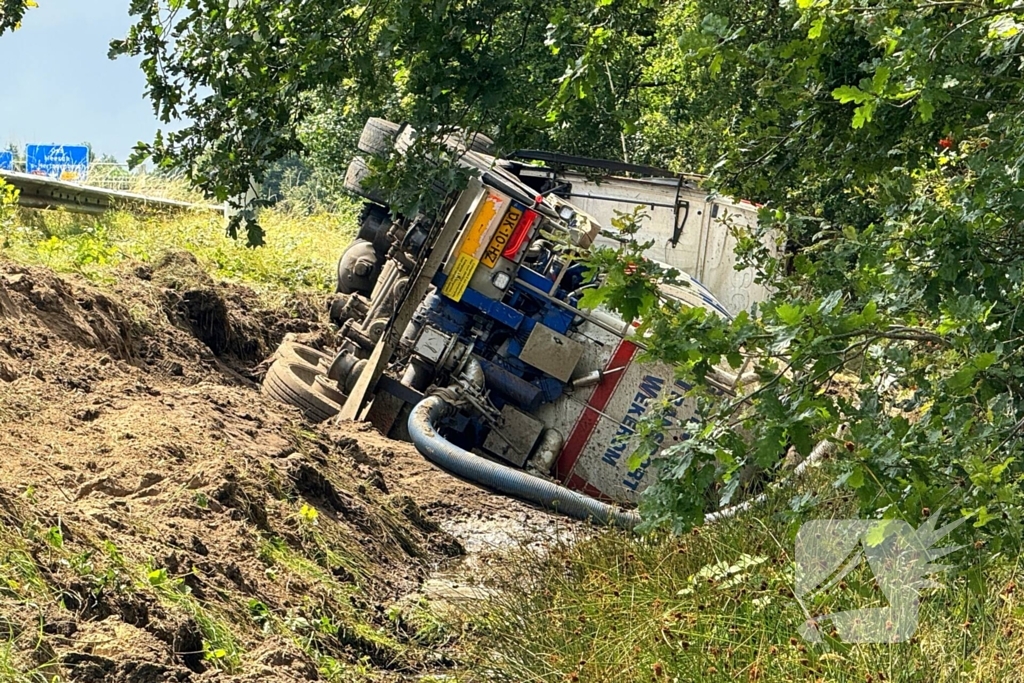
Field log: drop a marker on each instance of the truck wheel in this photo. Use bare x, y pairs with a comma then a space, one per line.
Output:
481, 143
378, 137
328, 388
300, 353
291, 383
357, 174
475, 142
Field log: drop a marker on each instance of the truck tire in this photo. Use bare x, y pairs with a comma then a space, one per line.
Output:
474, 142
356, 176
378, 137
291, 383
300, 353
481, 143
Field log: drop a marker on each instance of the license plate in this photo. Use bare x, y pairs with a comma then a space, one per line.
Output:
501, 237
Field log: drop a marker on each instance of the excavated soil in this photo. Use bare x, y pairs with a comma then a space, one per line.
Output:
160, 520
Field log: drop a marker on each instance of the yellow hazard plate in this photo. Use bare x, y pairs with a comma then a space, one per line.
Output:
459, 277
501, 237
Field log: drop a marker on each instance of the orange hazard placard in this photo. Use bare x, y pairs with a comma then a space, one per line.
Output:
474, 244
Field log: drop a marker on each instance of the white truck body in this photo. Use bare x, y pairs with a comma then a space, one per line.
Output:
691, 230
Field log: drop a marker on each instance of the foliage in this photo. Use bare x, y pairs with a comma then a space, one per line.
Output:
302, 185
255, 82
11, 13
885, 143
8, 211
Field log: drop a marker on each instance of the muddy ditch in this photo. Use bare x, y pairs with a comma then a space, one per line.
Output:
161, 521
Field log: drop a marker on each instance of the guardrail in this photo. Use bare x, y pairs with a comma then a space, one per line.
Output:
40, 192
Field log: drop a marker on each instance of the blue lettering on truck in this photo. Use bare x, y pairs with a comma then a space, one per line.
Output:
650, 387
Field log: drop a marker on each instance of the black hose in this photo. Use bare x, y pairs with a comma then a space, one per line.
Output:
507, 480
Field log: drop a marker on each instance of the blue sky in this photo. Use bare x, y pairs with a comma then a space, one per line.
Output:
59, 87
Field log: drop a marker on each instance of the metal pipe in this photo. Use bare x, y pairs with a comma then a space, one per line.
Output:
595, 377
385, 281
548, 448
630, 200
418, 374
823, 449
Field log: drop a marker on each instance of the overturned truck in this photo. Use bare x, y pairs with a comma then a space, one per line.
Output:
464, 334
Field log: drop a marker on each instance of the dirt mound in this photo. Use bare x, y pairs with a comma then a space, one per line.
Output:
176, 321
161, 521
227, 319
38, 310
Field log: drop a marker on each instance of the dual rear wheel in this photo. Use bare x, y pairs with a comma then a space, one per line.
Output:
378, 139
298, 377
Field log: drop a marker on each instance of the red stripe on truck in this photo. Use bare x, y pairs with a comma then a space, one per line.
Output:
578, 483
591, 413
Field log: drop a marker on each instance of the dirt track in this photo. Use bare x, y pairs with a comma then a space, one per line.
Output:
149, 493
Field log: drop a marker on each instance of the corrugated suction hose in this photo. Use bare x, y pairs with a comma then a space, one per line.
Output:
519, 484
507, 480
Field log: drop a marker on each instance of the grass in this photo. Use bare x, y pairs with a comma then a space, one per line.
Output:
329, 623
102, 568
22, 584
335, 617
300, 252
717, 605
12, 670
221, 647
19, 574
